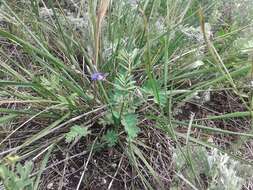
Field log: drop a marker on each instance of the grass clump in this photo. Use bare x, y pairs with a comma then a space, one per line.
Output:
125, 87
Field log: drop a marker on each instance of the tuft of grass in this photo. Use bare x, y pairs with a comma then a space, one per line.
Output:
151, 58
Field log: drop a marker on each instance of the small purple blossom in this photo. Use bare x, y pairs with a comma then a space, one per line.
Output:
98, 76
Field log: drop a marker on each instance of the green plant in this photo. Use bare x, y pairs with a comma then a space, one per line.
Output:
122, 68
111, 138
222, 170
76, 132
130, 122
18, 179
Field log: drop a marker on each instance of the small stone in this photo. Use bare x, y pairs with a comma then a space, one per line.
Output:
50, 186
114, 165
104, 181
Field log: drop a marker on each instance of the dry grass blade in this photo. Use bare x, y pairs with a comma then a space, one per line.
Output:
104, 4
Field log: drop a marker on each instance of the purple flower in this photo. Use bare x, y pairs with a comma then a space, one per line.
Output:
98, 76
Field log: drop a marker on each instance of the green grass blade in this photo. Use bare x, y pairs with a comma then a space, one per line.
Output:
7, 118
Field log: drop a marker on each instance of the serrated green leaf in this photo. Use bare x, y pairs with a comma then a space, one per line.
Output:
18, 180
76, 132
111, 138
129, 122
